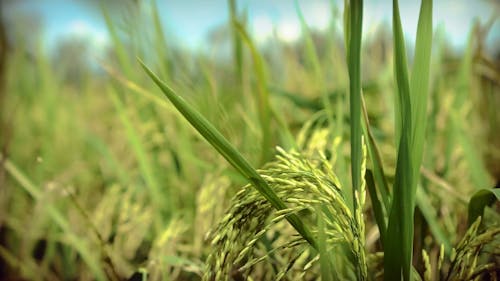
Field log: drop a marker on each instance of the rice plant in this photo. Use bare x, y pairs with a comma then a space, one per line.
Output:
333, 158
411, 107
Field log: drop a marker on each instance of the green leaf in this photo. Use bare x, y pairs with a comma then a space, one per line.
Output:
219, 142
313, 61
480, 200
354, 66
143, 159
420, 86
397, 251
237, 44
355, 17
376, 205
377, 162
325, 257
411, 107
262, 98
429, 212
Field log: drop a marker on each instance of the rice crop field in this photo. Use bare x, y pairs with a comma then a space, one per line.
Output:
335, 157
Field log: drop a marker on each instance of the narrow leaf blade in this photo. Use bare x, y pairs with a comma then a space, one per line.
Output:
219, 142
480, 200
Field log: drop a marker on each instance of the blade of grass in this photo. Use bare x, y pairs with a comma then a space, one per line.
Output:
313, 61
324, 255
347, 25
312, 104
460, 125
160, 42
237, 46
376, 206
335, 121
263, 103
118, 46
413, 104
478, 172
145, 166
423, 203
144, 93
419, 84
479, 201
377, 162
397, 252
354, 67
219, 142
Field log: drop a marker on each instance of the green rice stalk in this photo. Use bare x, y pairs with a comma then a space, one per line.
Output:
118, 46
354, 66
160, 42
325, 258
237, 45
459, 132
412, 99
142, 92
378, 167
145, 164
313, 61
376, 157
380, 217
263, 101
419, 84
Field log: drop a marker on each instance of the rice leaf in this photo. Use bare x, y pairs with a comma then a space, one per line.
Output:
420, 85
428, 211
413, 104
160, 42
480, 200
377, 162
263, 103
313, 61
354, 67
237, 46
376, 205
143, 159
118, 46
325, 258
219, 142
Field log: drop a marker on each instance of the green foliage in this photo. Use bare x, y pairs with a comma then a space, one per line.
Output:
355, 18
101, 178
212, 135
411, 117
480, 200
262, 97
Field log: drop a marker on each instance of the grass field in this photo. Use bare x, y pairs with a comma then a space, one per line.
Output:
332, 158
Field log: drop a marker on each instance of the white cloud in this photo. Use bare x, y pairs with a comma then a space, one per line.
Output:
317, 14
79, 28
288, 30
96, 38
262, 27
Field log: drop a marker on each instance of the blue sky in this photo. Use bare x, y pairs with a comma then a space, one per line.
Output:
191, 20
